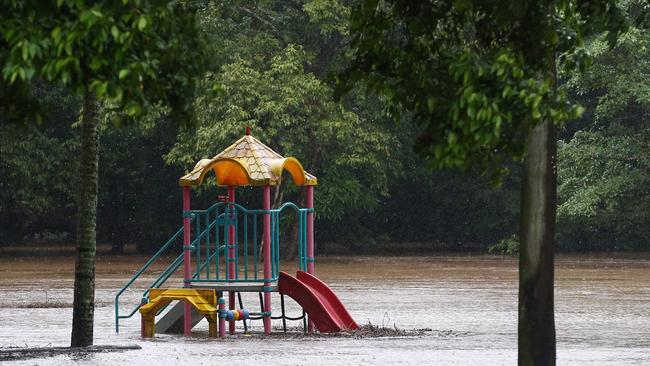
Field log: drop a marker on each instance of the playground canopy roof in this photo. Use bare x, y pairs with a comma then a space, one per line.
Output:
248, 162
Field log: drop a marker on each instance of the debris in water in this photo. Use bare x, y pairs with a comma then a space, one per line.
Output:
374, 331
13, 354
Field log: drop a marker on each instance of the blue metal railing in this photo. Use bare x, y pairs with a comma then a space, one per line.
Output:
213, 224
211, 243
157, 283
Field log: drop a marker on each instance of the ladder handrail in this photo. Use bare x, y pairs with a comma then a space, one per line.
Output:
159, 253
199, 236
156, 284
164, 276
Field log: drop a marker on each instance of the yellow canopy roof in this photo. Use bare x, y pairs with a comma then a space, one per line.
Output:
248, 162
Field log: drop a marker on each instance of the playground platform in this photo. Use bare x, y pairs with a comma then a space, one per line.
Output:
228, 249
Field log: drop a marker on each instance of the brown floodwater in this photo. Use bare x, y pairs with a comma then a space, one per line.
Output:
468, 304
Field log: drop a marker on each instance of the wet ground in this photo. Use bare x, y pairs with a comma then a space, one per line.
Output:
466, 303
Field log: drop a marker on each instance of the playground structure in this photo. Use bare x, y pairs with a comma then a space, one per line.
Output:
221, 254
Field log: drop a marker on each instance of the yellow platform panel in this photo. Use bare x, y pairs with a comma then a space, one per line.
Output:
204, 301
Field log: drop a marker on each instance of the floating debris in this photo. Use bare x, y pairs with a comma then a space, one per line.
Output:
20, 353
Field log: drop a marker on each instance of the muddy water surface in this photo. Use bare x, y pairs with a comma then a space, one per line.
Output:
467, 304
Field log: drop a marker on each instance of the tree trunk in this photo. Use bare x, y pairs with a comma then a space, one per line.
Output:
84, 281
537, 235
291, 245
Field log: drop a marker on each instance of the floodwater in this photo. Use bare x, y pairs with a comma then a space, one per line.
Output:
467, 303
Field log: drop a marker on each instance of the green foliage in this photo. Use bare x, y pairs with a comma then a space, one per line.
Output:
34, 160
120, 51
272, 61
37, 166
292, 110
605, 200
139, 201
37, 184
140, 58
496, 106
603, 168
328, 15
475, 75
269, 67
459, 211
507, 246
599, 170
618, 77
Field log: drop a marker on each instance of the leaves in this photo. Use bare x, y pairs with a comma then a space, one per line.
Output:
292, 111
603, 188
141, 52
481, 71
603, 166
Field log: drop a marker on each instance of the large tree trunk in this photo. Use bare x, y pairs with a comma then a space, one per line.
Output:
84, 281
537, 235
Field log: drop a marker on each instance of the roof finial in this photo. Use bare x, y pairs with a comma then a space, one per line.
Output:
248, 130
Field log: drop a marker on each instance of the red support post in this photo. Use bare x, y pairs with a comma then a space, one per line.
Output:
231, 253
187, 264
310, 240
267, 260
222, 319
310, 230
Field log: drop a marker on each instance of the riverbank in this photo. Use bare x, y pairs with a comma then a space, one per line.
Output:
392, 249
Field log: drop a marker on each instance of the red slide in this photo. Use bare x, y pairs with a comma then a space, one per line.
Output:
319, 301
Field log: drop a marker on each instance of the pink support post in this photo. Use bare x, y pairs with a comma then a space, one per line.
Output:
187, 264
310, 230
310, 240
142, 323
267, 260
231, 254
222, 319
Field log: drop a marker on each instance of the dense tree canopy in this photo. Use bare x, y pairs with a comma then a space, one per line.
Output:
95, 47
247, 38
604, 163
479, 77
133, 55
293, 112
474, 74
470, 85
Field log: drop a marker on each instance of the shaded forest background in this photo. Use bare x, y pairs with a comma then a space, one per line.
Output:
271, 69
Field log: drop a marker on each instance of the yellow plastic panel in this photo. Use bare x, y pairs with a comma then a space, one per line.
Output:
230, 173
248, 162
292, 165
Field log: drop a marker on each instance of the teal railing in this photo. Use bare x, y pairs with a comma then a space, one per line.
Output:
211, 247
164, 276
211, 242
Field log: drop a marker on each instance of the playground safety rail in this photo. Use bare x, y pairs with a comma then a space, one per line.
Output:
171, 268
213, 223
212, 238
